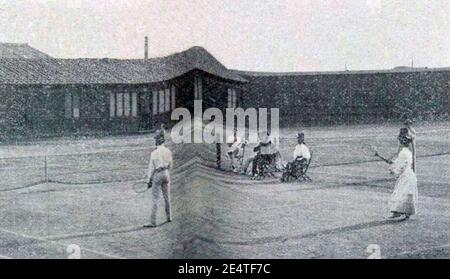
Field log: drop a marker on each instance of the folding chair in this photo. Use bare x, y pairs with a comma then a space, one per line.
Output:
268, 165
296, 171
305, 175
265, 165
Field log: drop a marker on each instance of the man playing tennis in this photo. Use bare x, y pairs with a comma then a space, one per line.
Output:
159, 178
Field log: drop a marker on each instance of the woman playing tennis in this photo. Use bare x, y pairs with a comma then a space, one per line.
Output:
403, 201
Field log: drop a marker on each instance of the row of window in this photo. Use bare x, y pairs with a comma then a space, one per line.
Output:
122, 104
72, 105
126, 104
164, 100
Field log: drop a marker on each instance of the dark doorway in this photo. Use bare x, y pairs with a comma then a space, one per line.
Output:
145, 111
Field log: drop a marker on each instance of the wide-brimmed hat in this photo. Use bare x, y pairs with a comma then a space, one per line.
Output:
408, 122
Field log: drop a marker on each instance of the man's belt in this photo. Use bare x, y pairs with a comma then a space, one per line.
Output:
161, 169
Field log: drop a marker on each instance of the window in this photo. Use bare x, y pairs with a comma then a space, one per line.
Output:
119, 107
167, 103
134, 104
161, 101
112, 104
68, 105
72, 105
173, 97
232, 98
122, 104
126, 104
198, 88
155, 102
164, 100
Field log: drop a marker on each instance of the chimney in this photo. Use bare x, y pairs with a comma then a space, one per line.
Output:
146, 48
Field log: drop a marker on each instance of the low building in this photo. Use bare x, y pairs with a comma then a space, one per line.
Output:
65, 96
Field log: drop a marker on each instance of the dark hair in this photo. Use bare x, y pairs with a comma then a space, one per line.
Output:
404, 132
159, 137
404, 137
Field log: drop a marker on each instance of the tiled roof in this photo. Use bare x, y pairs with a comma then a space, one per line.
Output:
394, 70
111, 71
10, 50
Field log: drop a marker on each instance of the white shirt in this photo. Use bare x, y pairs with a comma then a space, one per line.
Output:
237, 147
301, 150
403, 162
161, 157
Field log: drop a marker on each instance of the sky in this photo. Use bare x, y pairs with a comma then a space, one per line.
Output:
256, 35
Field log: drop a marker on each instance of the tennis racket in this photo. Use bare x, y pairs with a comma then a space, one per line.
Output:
370, 150
141, 186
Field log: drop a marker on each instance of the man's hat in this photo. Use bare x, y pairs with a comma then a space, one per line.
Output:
408, 122
159, 137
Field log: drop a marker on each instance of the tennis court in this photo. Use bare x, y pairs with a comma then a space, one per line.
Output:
58, 194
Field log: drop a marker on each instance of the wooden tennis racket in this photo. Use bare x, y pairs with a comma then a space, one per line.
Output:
371, 150
141, 186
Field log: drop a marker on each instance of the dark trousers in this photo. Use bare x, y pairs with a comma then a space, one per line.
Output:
260, 161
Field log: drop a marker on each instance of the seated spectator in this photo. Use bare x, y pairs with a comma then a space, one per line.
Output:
235, 152
296, 168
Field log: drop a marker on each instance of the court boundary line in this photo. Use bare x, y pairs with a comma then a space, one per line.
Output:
80, 153
98, 233
40, 239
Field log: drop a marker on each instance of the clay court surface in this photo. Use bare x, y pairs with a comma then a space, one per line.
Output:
62, 192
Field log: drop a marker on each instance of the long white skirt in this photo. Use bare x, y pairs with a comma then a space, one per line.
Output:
404, 198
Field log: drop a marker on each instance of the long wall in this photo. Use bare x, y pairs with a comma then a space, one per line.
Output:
60, 110
351, 98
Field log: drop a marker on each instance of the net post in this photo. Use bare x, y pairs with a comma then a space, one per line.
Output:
218, 152
218, 155
45, 170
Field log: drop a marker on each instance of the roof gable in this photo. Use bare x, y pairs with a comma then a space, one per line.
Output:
111, 71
